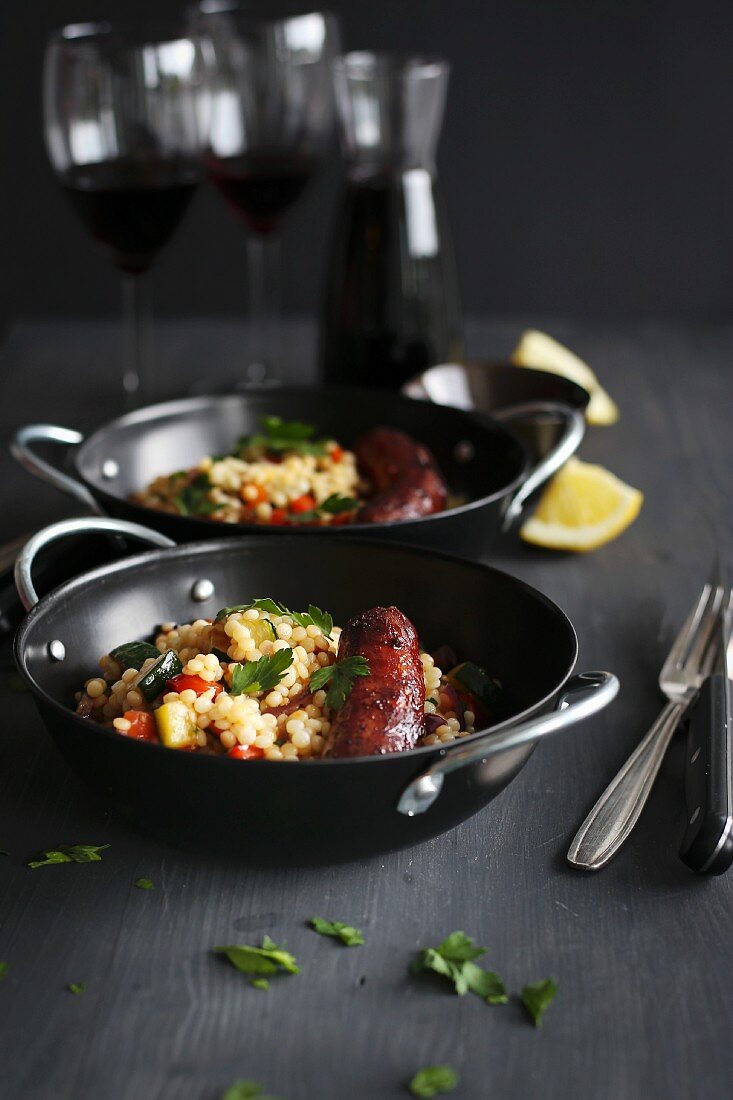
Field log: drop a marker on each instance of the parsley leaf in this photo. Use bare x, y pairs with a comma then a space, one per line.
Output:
279, 435
454, 959
133, 654
76, 987
245, 1090
352, 937
3, 970
270, 607
314, 616
143, 883
340, 679
261, 983
193, 499
267, 959
537, 998
336, 504
261, 675
433, 1080
70, 853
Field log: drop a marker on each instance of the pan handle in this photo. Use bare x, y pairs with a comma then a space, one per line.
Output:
66, 528
584, 695
21, 450
573, 431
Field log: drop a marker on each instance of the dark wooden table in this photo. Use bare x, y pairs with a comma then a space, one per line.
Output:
643, 951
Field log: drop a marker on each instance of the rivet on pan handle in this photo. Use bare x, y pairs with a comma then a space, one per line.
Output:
21, 450
67, 528
573, 422
583, 695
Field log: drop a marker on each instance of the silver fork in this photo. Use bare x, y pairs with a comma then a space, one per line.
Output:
691, 658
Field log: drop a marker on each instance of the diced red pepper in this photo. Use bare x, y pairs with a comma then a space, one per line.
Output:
184, 682
342, 519
337, 453
142, 725
246, 752
305, 503
279, 517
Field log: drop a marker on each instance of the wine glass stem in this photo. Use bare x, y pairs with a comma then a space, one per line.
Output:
263, 261
136, 312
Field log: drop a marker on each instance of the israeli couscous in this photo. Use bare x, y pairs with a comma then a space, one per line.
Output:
284, 476
260, 681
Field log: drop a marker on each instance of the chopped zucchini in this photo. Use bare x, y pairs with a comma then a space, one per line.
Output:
133, 654
475, 687
261, 630
176, 727
165, 668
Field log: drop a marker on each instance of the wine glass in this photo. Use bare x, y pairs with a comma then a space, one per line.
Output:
272, 120
126, 113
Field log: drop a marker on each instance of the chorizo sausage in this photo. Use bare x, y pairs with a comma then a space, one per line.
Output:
384, 711
405, 476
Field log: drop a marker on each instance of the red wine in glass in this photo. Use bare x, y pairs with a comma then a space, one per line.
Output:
261, 187
132, 206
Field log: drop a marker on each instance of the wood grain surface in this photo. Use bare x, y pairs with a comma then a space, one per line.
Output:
643, 951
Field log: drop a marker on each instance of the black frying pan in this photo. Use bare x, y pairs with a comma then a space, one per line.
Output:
311, 811
481, 460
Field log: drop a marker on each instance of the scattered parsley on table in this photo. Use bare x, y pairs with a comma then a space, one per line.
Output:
144, 883
349, 936
433, 1080
537, 998
69, 853
267, 959
76, 987
454, 959
3, 970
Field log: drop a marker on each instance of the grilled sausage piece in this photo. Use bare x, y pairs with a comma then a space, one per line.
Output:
405, 476
384, 711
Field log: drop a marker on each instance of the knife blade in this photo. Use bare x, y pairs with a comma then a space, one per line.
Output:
707, 846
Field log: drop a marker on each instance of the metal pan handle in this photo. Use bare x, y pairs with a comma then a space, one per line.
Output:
66, 528
573, 431
21, 450
583, 695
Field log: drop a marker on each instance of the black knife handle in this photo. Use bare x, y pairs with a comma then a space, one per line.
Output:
707, 846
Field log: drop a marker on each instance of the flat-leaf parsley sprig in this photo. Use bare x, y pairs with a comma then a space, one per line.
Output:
349, 936
279, 435
258, 961
454, 959
537, 998
69, 853
262, 675
433, 1081
340, 678
314, 616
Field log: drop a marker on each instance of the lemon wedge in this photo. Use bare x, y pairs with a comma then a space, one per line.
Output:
584, 506
537, 349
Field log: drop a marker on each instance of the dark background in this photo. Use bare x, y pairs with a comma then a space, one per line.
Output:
586, 161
